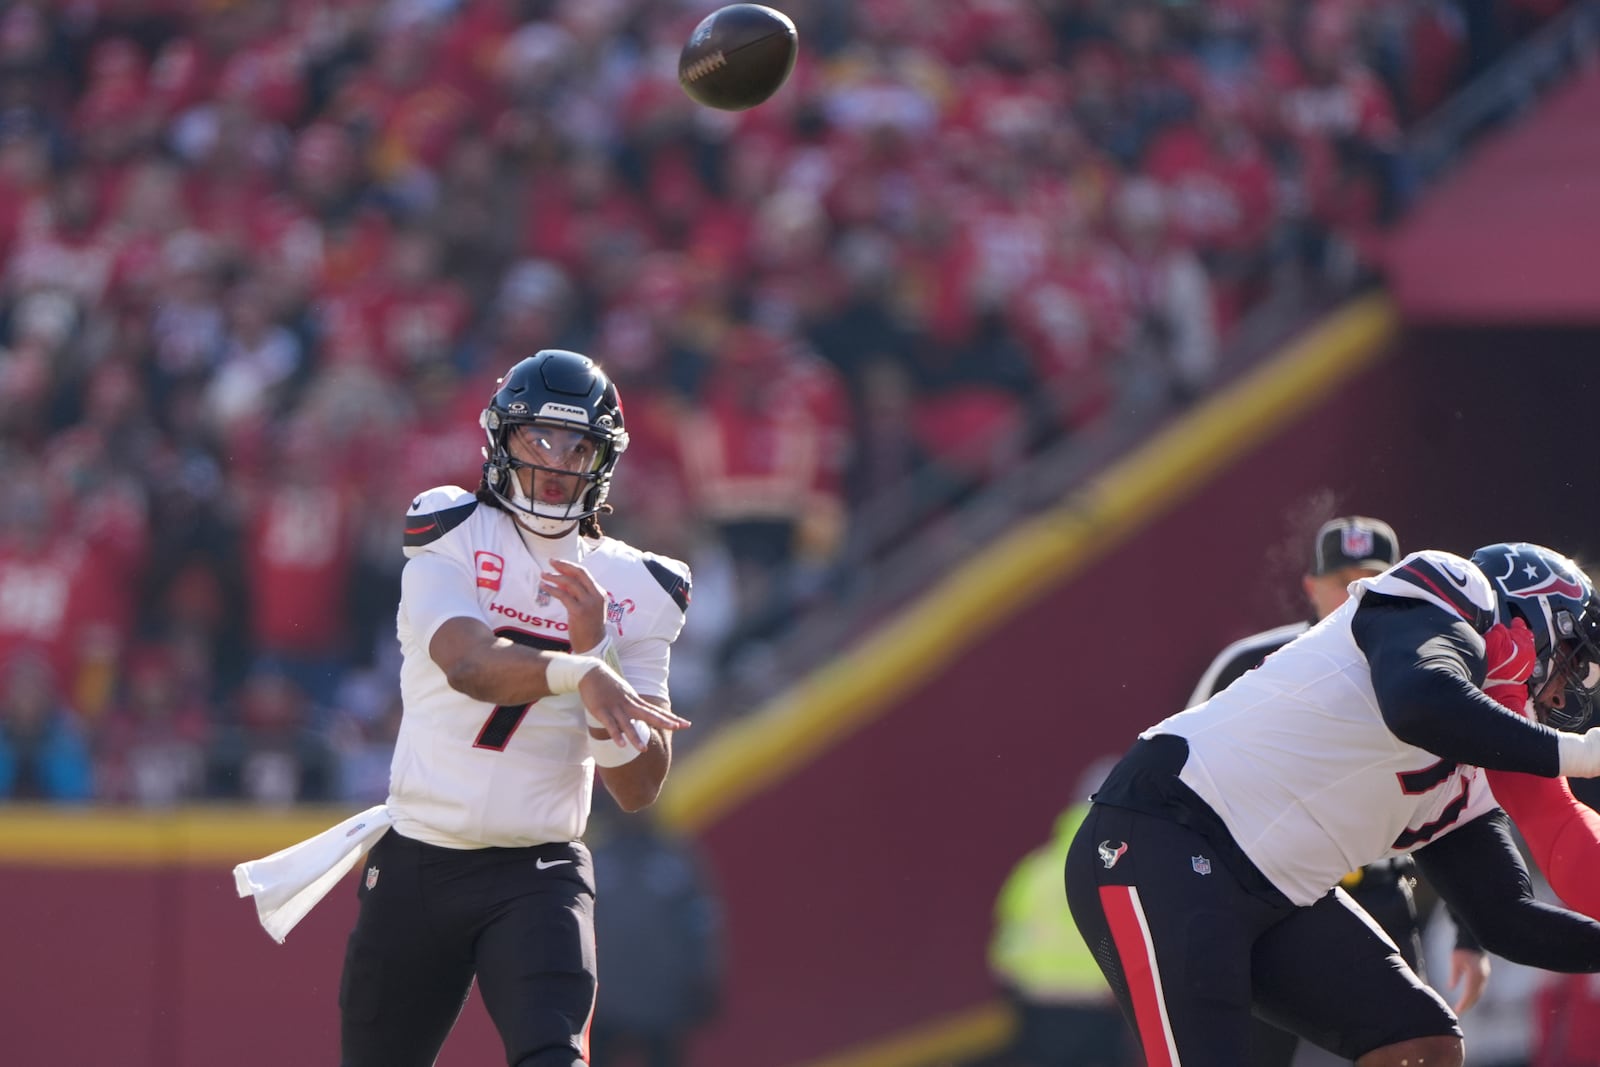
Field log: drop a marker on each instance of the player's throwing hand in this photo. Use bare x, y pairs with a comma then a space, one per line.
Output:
617, 712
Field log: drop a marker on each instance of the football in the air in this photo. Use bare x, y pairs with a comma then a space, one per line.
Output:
738, 56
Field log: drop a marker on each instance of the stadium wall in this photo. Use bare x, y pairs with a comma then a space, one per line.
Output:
860, 829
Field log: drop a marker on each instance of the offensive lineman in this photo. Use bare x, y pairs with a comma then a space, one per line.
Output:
1344, 549
482, 871
1202, 875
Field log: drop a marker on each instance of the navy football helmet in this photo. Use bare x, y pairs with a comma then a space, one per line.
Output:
563, 397
1557, 600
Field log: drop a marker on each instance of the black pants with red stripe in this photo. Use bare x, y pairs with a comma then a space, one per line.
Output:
1193, 951
519, 919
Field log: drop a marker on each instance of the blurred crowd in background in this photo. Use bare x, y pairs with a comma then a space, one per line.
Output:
261, 262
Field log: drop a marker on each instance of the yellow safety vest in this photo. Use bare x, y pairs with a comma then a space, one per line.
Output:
1036, 948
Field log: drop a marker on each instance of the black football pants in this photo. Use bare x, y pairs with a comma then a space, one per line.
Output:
519, 919
1384, 892
1192, 955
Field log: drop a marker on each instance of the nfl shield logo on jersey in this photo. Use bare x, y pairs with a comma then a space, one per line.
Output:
1200, 864
616, 609
372, 877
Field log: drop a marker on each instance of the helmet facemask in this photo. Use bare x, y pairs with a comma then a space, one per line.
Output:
1574, 664
581, 458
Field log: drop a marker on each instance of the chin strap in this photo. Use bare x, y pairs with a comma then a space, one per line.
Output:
539, 526
527, 518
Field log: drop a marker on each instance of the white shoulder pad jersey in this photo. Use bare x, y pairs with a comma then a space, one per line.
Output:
1442, 579
468, 774
1297, 761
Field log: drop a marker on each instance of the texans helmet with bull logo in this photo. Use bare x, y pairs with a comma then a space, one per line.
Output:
1557, 600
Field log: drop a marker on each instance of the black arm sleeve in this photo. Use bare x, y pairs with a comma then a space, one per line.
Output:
1480, 875
1426, 669
1465, 938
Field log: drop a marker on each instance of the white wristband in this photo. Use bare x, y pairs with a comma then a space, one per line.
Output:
563, 671
607, 753
1580, 754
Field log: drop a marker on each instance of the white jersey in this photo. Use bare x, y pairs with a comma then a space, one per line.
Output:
1296, 759
467, 774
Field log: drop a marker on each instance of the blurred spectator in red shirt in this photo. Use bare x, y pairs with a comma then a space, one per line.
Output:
265, 59
418, 314
443, 440
1221, 192
116, 115
764, 455
48, 578
302, 529
147, 208
182, 75
60, 264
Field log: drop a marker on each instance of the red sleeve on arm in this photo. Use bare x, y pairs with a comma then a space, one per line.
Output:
1562, 832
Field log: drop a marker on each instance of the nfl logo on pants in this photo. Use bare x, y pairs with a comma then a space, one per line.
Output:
372, 877
1200, 864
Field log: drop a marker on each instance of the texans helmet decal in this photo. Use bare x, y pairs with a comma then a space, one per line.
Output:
1535, 576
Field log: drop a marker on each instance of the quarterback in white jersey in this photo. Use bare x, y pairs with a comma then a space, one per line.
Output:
1204, 876
467, 773
535, 657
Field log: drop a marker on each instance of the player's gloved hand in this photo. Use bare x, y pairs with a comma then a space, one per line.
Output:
1580, 754
1509, 658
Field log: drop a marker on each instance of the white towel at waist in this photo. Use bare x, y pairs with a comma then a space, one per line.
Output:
288, 883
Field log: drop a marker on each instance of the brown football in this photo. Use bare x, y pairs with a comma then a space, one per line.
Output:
738, 56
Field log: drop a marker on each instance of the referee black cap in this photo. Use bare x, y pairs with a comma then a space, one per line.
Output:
1354, 541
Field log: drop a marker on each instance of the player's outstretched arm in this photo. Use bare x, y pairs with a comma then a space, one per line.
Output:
1479, 872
